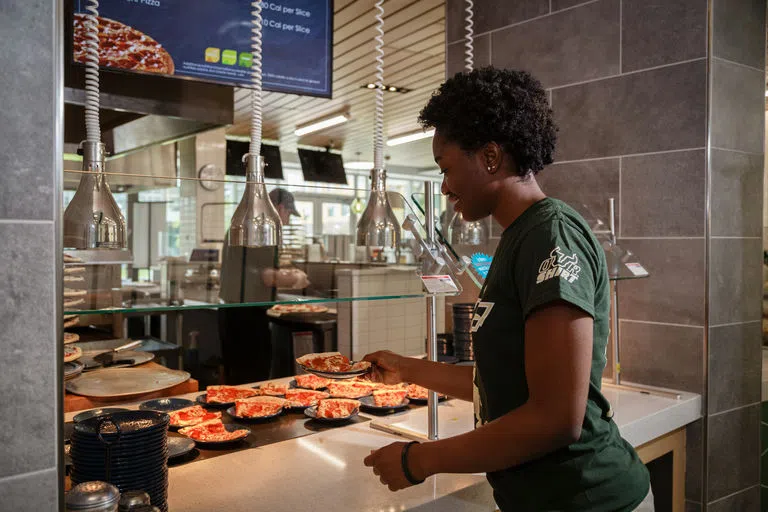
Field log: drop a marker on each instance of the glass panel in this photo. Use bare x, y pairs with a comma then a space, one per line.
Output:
178, 259
336, 219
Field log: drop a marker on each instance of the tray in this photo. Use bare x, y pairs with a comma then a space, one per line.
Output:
121, 382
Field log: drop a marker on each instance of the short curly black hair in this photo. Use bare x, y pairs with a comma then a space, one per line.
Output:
495, 105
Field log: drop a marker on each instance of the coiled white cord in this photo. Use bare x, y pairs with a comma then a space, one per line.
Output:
92, 125
469, 48
378, 123
256, 92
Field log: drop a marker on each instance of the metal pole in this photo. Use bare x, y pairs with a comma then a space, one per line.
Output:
429, 220
614, 300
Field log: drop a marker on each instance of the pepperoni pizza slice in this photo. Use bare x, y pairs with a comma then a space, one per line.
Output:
259, 406
310, 381
337, 408
389, 397
304, 397
190, 416
213, 431
227, 394
343, 389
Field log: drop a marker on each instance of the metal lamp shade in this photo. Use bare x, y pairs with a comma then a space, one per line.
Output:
463, 232
378, 227
255, 222
93, 219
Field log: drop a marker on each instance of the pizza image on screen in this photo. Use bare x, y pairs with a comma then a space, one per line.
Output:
193, 415
123, 47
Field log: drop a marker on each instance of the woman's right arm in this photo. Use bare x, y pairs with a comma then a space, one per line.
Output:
449, 379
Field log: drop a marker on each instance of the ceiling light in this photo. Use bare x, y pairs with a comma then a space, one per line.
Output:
385, 87
371, 86
410, 137
321, 124
359, 165
766, 93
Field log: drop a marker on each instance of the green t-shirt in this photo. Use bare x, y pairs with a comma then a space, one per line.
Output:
549, 254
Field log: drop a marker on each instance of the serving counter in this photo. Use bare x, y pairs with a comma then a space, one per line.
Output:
324, 470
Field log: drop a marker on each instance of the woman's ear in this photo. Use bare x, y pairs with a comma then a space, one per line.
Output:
492, 155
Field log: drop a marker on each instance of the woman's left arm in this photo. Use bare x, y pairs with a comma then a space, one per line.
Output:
558, 361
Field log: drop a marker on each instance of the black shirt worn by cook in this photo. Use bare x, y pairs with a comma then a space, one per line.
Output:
549, 254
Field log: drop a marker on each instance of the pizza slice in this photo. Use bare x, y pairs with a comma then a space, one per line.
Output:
304, 397
272, 389
357, 389
389, 397
310, 381
190, 416
212, 431
331, 362
417, 392
337, 408
259, 406
72, 353
227, 394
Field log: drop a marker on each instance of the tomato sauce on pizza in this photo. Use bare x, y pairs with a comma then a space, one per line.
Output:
227, 394
337, 408
190, 416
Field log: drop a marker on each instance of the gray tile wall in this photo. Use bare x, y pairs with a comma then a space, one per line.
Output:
629, 82
30, 159
735, 275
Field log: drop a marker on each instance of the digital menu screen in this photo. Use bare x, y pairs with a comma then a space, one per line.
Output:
211, 41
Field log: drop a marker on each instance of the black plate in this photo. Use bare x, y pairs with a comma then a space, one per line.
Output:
312, 413
423, 401
203, 400
129, 422
166, 404
230, 428
179, 446
367, 403
93, 413
122, 444
337, 375
231, 412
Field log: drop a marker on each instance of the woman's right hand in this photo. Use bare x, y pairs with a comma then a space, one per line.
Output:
388, 367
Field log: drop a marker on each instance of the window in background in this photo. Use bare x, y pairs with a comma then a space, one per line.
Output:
336, 219
307, 211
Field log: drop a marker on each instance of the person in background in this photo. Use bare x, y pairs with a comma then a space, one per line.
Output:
251, 274
544, 432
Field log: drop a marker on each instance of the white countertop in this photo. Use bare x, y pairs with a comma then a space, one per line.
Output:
328, 466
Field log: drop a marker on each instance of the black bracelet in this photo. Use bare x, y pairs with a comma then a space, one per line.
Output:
404, 463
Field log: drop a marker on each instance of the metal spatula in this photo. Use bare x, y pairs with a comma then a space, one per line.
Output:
107, 358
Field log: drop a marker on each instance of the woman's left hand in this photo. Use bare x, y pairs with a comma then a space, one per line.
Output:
387, 465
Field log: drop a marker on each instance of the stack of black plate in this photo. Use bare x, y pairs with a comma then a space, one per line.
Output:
462, 332
127, 449
445, 344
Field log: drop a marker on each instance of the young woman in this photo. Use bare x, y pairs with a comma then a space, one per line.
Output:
544, 432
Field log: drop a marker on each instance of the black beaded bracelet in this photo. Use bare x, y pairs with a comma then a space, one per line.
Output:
404, 463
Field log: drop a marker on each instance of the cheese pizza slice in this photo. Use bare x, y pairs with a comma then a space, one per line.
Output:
304, 397
212, 431
227, 394
259, 406
310, 381
389, 397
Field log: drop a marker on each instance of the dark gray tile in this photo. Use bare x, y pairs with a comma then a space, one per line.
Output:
664, 194
674, 292
565, 4
658, 110
28, 338
691, 506
28, 111
739, 31
735, 366
694, 457
745, 501
33, 492
737, 193
733, 460
454, 60
490, 15
586, 186
736, 283
658, 32
738, 107
567, 47
669, 356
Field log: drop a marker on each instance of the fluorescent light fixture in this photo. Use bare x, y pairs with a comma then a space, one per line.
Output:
366, 166
403, 139
321, 124
766, 93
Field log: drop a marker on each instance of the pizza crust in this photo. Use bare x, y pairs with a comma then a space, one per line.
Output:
71, 337
72, 353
